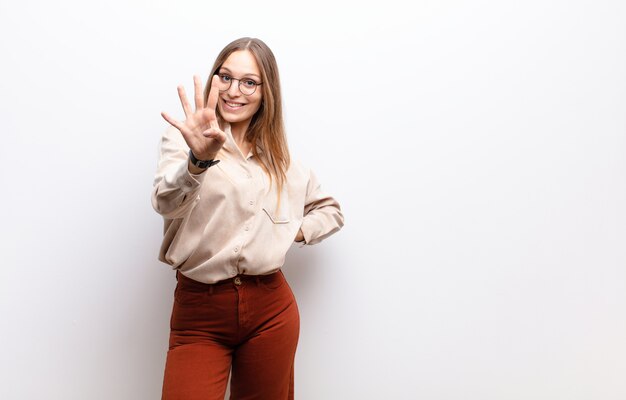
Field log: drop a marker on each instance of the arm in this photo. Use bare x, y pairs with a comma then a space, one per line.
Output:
177, 180
175, 186
322, 214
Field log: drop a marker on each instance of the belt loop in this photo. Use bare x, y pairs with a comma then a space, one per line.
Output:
258, 280
211, 289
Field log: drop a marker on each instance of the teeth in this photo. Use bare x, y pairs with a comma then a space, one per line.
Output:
234, 104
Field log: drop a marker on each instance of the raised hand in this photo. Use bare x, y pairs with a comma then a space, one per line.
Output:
200, 129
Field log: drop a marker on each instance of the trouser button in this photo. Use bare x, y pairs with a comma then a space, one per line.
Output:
237, 281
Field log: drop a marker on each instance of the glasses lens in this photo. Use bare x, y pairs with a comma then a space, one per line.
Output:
224, 82
246, 87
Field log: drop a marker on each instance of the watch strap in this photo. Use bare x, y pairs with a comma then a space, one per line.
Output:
201, 163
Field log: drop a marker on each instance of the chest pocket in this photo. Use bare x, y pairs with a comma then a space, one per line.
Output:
278, 210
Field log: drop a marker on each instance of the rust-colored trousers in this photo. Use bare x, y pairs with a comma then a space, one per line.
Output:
248, 323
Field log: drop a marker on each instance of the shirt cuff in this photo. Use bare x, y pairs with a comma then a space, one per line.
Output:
306, 233
186, 181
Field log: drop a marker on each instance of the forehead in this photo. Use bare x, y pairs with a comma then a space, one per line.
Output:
242, 62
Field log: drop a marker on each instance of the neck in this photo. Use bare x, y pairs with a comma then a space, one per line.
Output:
238, 130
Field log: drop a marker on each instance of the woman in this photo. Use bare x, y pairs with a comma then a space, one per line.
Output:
233, 203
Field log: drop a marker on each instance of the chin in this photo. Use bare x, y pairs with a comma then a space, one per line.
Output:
235, 118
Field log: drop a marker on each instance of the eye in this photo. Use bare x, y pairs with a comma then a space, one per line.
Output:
249, 83
225, 78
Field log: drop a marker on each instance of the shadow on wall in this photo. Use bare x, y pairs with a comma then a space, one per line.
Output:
303, 268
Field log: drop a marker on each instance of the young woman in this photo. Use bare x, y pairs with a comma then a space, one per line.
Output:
233, 203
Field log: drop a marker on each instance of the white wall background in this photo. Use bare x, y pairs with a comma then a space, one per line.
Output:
478, 150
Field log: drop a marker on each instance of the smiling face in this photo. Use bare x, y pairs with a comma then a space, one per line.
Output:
235, 107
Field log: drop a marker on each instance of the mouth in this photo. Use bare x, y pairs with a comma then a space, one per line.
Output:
232, 106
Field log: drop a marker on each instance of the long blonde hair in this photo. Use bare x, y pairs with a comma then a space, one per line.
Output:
267, 129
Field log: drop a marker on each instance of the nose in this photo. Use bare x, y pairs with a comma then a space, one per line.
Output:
233, 90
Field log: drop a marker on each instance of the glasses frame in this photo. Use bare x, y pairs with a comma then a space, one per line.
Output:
257, 84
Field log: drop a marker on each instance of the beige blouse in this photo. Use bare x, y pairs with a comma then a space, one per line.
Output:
226, 221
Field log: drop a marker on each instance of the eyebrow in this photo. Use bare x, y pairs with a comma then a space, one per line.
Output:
254, 75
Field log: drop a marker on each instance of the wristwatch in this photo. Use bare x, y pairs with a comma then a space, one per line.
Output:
201, 163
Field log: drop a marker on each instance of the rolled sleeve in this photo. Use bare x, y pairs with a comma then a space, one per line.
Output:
322, 213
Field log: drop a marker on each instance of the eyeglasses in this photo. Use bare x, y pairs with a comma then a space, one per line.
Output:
247, 86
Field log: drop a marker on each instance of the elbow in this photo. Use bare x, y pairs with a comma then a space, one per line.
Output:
318, 227
169, 209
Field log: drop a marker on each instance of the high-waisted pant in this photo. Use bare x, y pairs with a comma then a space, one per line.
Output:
248, 323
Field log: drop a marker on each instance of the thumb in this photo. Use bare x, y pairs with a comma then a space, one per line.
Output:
216, 134
210, 133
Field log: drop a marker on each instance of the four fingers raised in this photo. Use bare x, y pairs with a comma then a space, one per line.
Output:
209, 112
